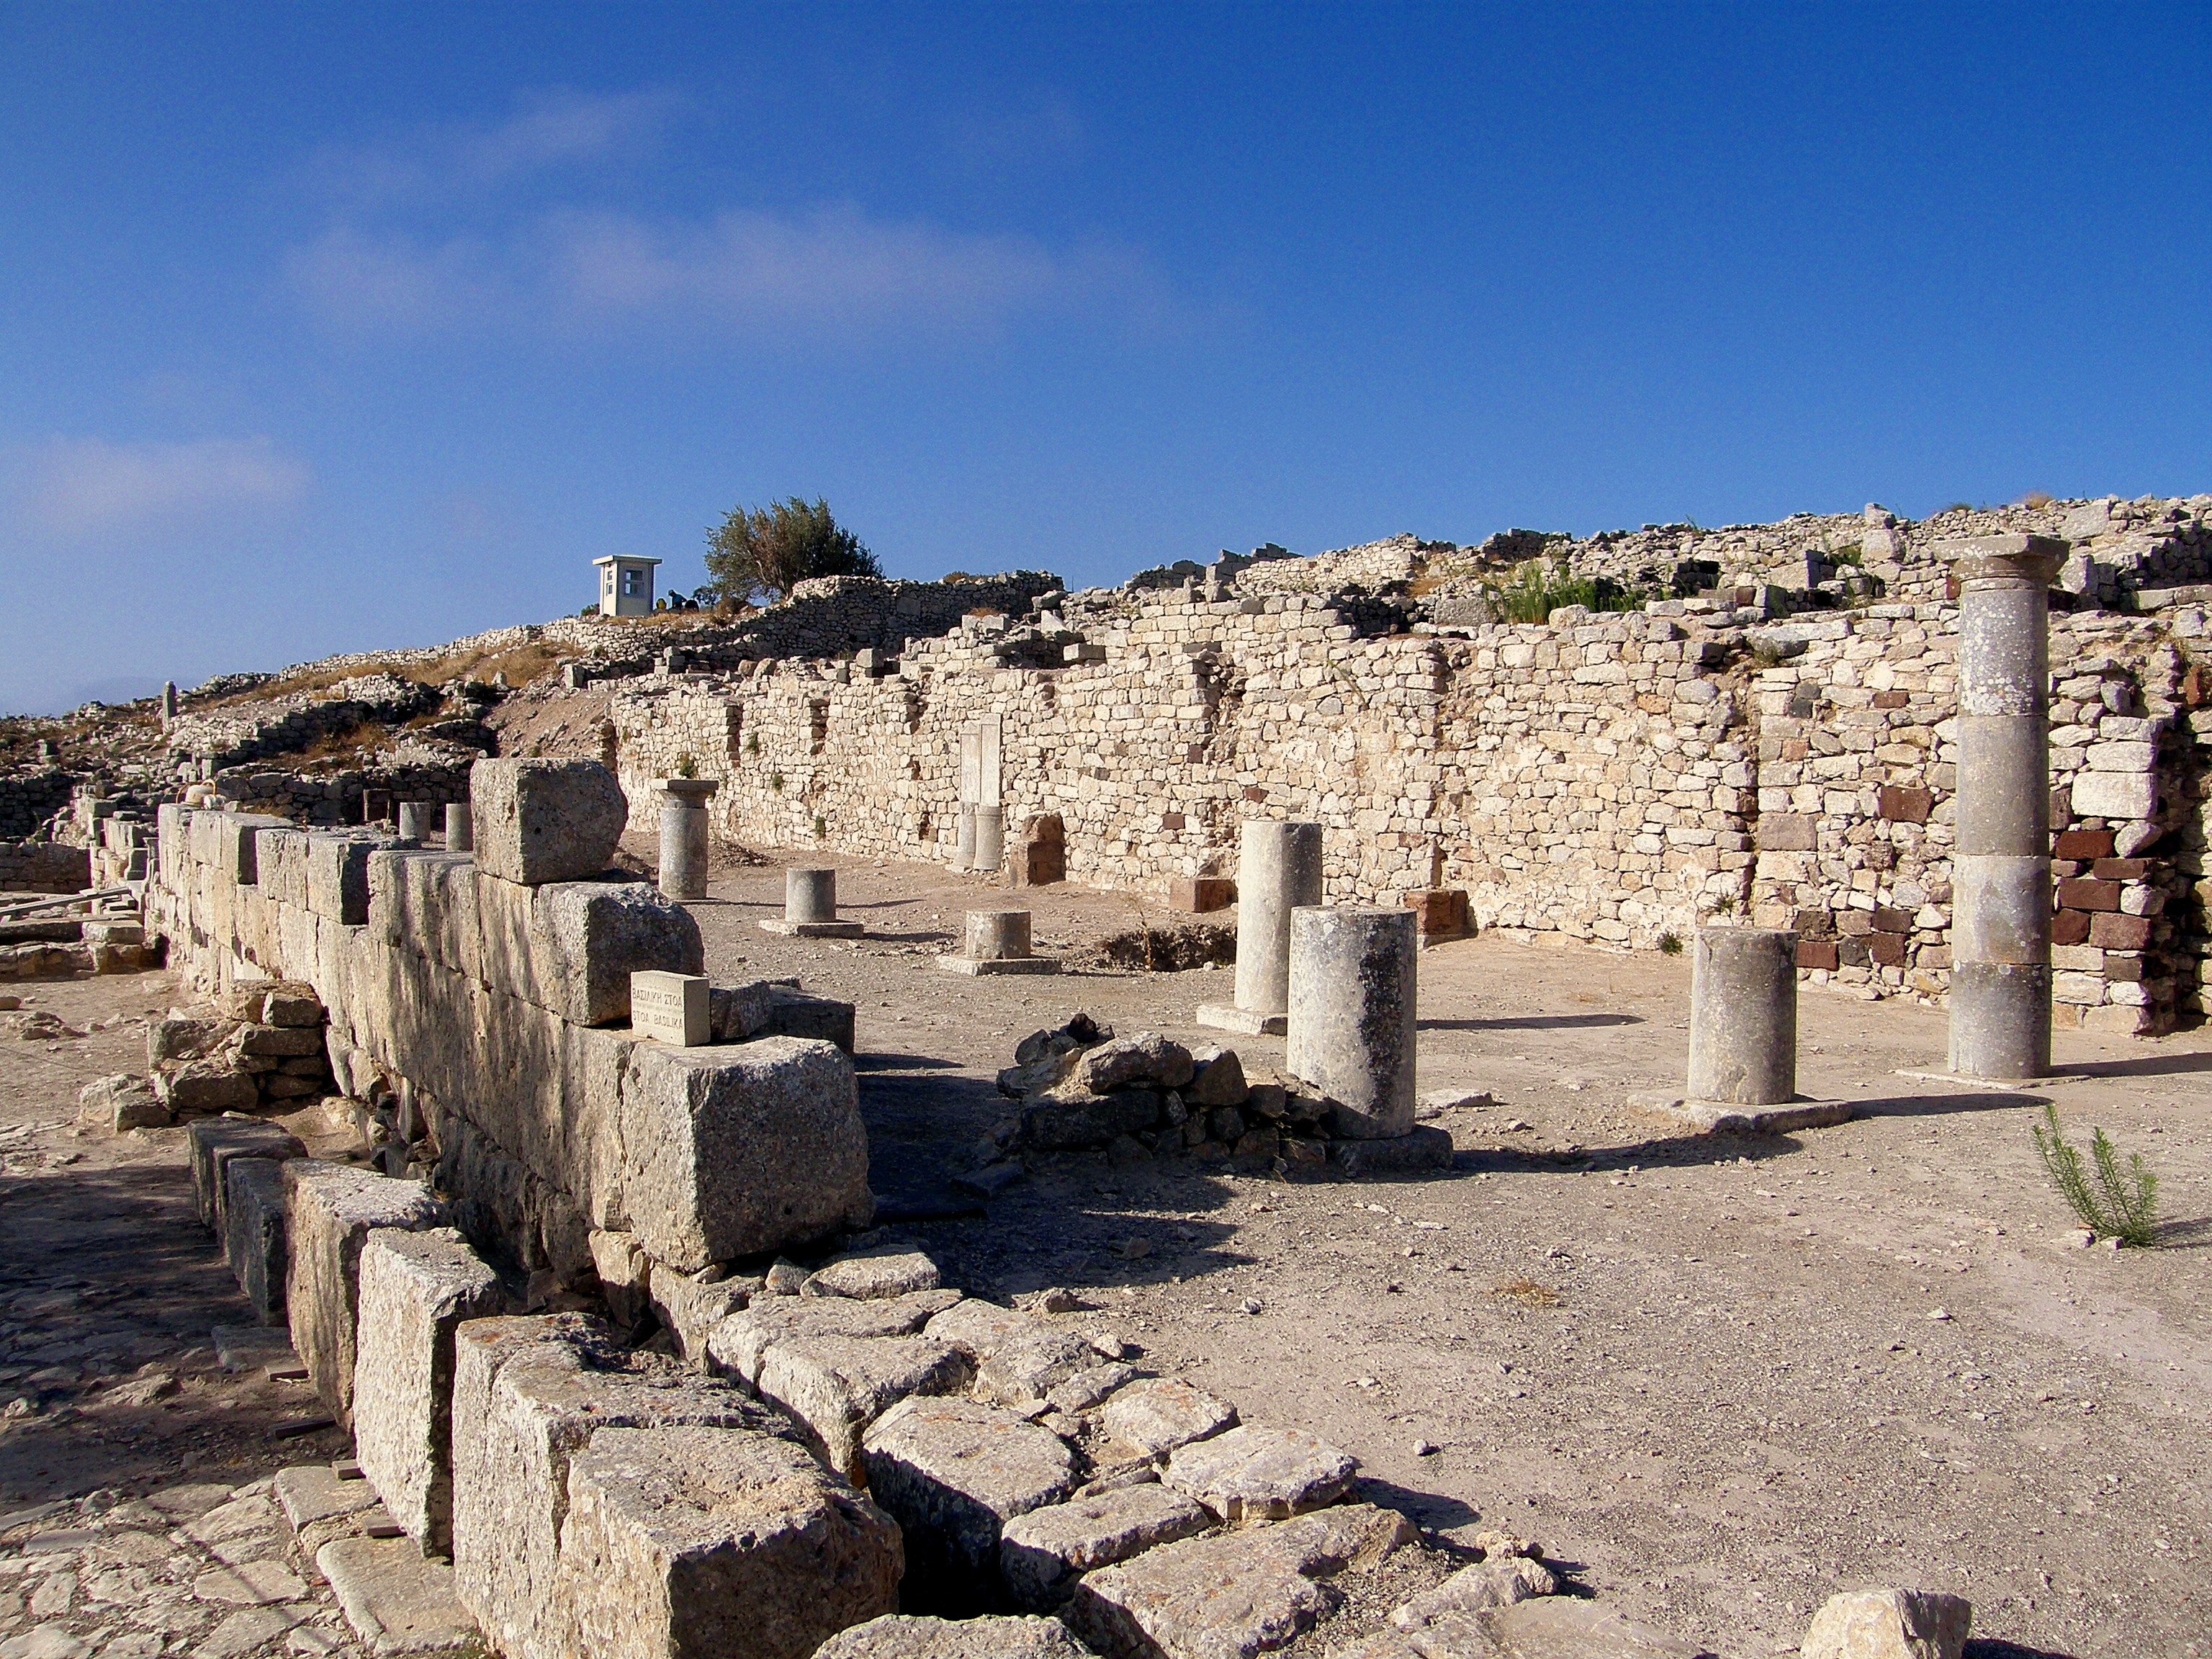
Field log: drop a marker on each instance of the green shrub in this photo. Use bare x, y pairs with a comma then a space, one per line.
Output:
764, 550
687, 765
2122, 1205
821, 826
775, 781
1670, 944
1532, 594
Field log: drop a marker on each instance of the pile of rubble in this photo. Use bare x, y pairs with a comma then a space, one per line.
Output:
262, 1046
1147, 1097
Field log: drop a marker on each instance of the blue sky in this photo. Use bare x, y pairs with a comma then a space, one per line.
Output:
328, 328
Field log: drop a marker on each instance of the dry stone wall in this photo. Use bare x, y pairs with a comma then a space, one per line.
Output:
1616, 777
37, 866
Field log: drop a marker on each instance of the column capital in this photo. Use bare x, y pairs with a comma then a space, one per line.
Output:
2003, 558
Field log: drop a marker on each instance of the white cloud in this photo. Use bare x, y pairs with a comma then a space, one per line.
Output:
76, 488
741, 274
550, 128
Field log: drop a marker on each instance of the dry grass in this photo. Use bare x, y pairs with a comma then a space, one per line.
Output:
1526, 1292
366, 738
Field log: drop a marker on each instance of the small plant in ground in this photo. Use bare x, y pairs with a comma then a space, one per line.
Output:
687, 765
1670, 944
821, 826
775, 781
752, 743
2035, 501
1527, 1292
2123, 1203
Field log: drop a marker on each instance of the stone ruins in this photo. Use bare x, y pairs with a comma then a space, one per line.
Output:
597, 1409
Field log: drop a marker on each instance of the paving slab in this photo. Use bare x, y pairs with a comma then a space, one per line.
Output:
400, 1604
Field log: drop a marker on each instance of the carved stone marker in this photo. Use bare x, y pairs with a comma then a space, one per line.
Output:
670, 1008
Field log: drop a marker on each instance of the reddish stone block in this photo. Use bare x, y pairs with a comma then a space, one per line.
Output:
1200, 894
2080, 895
2113, 932
1901, 803
1812, 924
2120, 869
2083, 844
1886, 948
1892, 699
1890, 920
1439, 912
1816, 953
2069, 928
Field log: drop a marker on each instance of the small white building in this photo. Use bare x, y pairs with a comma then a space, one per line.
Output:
625, 585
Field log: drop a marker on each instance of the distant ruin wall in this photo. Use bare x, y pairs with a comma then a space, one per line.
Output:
1612, 778
37, 867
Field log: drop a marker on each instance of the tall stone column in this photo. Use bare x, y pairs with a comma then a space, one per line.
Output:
2001, 860
684, 841
1278, 871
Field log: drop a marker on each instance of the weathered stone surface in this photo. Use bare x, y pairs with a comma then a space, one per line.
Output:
700, 1543
729, 1153
601, 933
416, 1289
528, 1395
539, 821
980, 1328
798, 1014
1889, 1624
741, 1342
903, 1636
836, 1385
185, 1037
116, 1105
1499, 1583
280, 1042
868, 1275
953, 1473
1253, 1474
1234, 1594
253, 1233
1030, 1367
291, 1002
201, 1088
690, 1305
1550, 1627
1154, 1417
1040, 1554
213, 1142
1424, 1146
1056, 1122
1091, 1386
1220, 1083
1147, 1058
330, 1211
399, 1605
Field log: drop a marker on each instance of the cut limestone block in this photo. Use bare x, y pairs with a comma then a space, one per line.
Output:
1154, 1416
539, 821
1043, 1553
836, 1385
570, 947
730, 1152
690, 1305
1255, 1474
202, 1088
868, 1275
118, 1105
330, 1211
253, 1233
685, 1543
1024, 1370
1424, 1146
1889, 1624
979, 1329
796, 1014
1238, 1593
1496, 1583
213, 1142
904, 1636
1562, 1625
337, 874
319, 1506
741, 1343
399, 1605
528, 1395
1091, 1386
416, 1289
953, 1473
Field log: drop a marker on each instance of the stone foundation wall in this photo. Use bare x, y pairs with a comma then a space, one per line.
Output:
491, 1016
29, 798
37, 867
